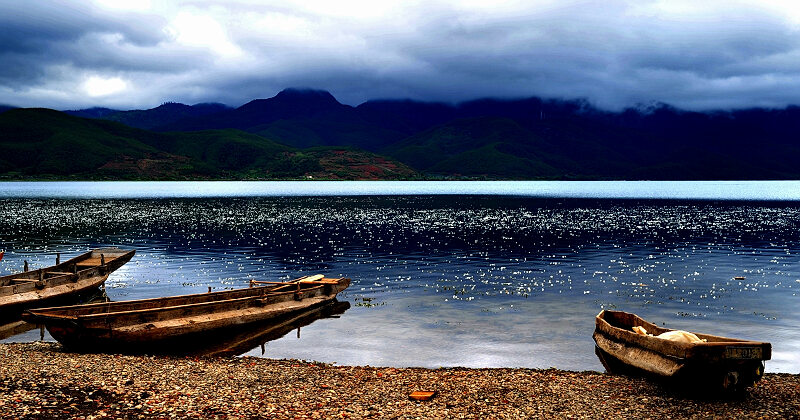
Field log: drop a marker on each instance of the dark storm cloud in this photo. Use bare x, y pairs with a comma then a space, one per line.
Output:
615, 53
35, 36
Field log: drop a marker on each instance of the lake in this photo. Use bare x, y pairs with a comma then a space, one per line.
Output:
482, 274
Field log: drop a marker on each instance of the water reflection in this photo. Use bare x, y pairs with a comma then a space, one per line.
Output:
236, 341
11, 327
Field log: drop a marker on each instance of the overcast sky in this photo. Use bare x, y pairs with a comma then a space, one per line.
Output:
698, 54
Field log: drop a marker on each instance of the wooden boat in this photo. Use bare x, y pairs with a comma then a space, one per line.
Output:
72, 277
141, 326
717, 363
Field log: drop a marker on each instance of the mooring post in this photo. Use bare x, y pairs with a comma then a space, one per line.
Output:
209, 289
102, 260
58, 258
26, 266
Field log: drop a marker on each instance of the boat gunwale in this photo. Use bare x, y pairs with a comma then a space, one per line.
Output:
76, 259
32, 273
42, 313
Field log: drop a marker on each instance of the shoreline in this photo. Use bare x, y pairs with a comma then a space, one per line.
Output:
39, 380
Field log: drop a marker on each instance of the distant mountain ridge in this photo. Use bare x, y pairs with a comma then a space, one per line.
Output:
528, 138
149, 119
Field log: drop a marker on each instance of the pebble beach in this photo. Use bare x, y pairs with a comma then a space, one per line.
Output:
40, 380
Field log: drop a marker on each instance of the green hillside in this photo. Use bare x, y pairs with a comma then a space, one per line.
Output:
492, 147
42, 143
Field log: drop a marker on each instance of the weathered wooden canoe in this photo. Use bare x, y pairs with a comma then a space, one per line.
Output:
719, 363
142, 325
72, 277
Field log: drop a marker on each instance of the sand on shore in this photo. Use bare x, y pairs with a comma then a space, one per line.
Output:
40, 380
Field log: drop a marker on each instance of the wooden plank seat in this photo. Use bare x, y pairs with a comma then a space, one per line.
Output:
88, 264
96, 261
57, 273
23, 281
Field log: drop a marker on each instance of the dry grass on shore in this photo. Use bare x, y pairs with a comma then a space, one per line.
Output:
39, 380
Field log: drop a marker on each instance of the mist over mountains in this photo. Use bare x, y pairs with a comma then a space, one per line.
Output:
299, 131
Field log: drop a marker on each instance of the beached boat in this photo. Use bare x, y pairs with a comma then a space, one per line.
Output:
72, 277
710, 363
136, 326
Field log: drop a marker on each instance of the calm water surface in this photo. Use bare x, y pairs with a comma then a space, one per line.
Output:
457, 279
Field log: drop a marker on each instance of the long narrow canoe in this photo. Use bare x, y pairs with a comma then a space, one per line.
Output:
72, 277
716, 363
136, 326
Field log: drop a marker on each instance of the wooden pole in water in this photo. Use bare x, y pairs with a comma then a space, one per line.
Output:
58, 258
26, 266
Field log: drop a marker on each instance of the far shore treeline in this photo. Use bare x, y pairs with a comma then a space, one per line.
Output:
308, 134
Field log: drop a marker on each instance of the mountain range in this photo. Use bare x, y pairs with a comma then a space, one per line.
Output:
302, 133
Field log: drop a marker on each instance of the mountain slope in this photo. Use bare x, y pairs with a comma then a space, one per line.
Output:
298, 118
518, 138
43, 141
149, 119
46, 143
494, 147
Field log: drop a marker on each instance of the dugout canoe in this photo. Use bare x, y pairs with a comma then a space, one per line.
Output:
718, 363
151, 325
64, 279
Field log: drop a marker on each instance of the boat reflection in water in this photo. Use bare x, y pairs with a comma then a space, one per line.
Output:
11, 327
240, 340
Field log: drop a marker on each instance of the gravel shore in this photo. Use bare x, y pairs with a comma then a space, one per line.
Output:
39, 380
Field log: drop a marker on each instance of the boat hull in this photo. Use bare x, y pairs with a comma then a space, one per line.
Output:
146, 325
719, 363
